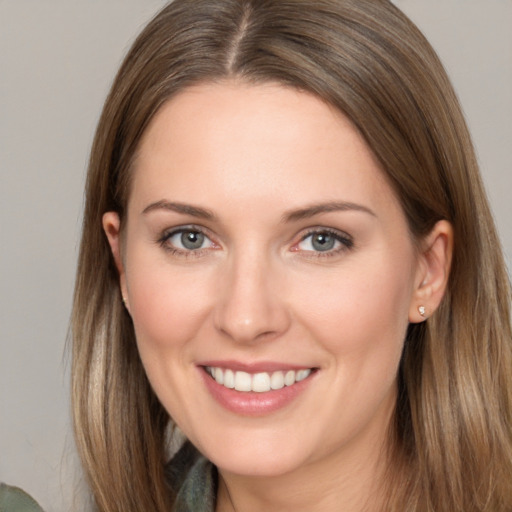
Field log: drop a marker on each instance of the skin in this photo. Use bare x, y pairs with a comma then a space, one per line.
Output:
259, 290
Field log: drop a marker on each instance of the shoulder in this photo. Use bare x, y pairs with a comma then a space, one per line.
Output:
13, 499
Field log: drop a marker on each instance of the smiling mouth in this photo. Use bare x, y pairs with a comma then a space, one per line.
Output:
261, 382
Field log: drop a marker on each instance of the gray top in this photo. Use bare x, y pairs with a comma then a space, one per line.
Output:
190, 475
13, 499
194, 479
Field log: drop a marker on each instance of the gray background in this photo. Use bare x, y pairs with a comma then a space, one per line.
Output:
57, 59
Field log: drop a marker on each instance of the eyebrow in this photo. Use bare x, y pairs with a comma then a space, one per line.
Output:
291, 216
186, 209
316, 209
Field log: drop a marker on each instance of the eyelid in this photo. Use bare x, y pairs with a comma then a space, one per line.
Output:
346, 241
170, 232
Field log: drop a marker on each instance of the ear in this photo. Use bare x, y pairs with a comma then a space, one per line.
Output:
112, 228
433, 272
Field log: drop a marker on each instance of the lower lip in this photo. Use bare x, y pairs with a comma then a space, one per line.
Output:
252, 403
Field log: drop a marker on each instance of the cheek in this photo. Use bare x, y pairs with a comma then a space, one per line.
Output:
167, 305
360, 310
360, 319
168, 308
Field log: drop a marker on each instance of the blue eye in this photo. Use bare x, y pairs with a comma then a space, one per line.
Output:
324, 241
187, 240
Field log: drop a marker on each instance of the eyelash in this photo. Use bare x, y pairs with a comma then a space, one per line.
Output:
163, 241
346, 242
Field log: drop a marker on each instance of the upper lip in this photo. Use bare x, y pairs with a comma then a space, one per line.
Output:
254, 367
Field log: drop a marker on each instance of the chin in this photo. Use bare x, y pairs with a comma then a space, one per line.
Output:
256, 457
263, 467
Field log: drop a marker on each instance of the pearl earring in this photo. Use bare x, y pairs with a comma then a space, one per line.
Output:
421, 310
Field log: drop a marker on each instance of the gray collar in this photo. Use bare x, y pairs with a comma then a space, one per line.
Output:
194, 480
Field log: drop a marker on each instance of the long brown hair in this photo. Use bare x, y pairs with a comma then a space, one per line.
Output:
452, 434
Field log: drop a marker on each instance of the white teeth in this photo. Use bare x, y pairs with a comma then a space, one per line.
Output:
218, 374
277, 380
289, 378
229, 378
301, 375
243, 381
259, 382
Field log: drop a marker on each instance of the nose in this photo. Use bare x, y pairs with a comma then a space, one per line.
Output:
250, 305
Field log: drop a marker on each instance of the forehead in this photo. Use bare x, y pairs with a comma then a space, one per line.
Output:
255, 142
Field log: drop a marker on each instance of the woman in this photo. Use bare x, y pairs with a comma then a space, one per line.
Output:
287, 253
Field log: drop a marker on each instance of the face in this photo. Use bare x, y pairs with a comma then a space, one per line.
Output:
270, 275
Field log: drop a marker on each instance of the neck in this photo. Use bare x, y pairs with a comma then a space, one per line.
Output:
345, 482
